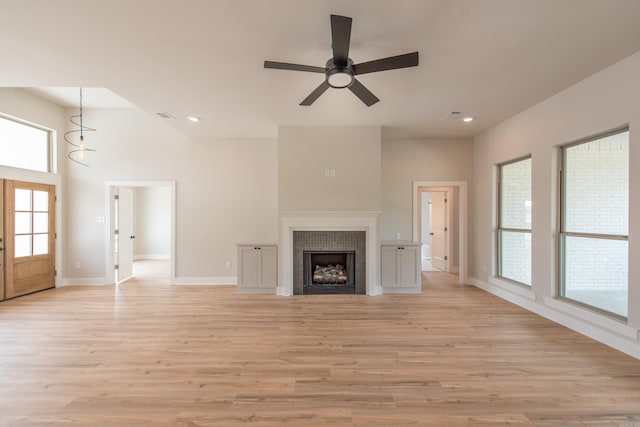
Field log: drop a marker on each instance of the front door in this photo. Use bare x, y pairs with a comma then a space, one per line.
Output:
439, 230
29, 237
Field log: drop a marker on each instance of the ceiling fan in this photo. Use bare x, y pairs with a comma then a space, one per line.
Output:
340, 71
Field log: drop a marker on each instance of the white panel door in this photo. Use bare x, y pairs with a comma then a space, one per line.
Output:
439, 230
125, 234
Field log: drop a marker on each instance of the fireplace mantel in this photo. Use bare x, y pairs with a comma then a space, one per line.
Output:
327, 221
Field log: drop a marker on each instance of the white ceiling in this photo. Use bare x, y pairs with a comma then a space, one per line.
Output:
487, 58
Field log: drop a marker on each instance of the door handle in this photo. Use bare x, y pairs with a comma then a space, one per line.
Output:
431, 234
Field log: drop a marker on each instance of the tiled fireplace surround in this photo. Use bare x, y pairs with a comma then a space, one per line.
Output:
290, 253
333, 241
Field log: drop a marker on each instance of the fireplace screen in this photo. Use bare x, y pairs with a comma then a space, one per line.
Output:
329, 272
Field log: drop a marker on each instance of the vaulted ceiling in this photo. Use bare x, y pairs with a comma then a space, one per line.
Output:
487, 58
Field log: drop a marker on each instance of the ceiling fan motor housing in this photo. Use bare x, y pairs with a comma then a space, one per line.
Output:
339, 76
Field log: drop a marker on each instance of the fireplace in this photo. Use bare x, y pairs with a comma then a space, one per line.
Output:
333, 231
328, 272
332, 251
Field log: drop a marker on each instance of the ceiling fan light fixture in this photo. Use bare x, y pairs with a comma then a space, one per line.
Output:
340, 78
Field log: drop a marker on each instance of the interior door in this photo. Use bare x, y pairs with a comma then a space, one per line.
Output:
125, 234
29, 237
439, 230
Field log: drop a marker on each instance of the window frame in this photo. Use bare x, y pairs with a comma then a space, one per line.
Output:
562, 233
499, 220
50, 142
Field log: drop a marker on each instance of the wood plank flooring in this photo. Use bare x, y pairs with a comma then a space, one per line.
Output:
149, 354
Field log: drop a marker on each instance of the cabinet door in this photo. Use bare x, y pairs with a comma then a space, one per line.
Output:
268, 267
409, 271
389, 266
248, 256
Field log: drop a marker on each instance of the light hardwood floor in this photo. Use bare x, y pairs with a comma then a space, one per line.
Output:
155, 355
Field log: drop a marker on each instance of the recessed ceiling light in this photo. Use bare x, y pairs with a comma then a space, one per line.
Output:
194, 119
467, 119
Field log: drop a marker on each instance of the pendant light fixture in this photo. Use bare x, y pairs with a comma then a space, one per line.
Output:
78, 149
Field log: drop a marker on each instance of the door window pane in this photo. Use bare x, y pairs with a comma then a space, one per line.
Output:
40, 201
23, 223
23, 200
22, 246
595, 272
40, 244
31, 223
40, 222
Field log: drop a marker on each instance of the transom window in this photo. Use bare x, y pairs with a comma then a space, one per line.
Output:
594, 223
514, 221
25, 146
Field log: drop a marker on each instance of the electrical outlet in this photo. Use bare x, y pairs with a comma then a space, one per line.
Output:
398, 235
78, 265
227, 264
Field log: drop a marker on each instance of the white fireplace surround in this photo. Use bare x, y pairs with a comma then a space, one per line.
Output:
366, 221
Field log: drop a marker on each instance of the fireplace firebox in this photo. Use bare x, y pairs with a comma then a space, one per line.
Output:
329, 272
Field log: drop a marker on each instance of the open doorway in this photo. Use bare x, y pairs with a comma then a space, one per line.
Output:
440, 225
434, 229
142, 232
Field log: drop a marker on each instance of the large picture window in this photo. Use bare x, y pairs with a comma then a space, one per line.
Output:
514, 221
595, 221
24, 146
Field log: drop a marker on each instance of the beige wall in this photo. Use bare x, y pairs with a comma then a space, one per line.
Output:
604, 101
225, 191
306, 152
408, 160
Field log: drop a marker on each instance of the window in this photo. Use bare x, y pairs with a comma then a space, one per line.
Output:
31, 222
514, 221
24, 146
594, 222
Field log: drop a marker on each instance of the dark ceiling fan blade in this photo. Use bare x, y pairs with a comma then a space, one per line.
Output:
293, 67
363, 93
340, 37
390, 63
315, 94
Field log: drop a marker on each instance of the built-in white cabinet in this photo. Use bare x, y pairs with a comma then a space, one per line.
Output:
400, 267
257, 269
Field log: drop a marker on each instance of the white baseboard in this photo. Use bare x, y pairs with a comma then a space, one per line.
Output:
205, 281
138, 257
598, 327
75, 281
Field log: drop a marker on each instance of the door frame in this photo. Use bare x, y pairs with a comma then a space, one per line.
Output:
462, 219
111, 187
